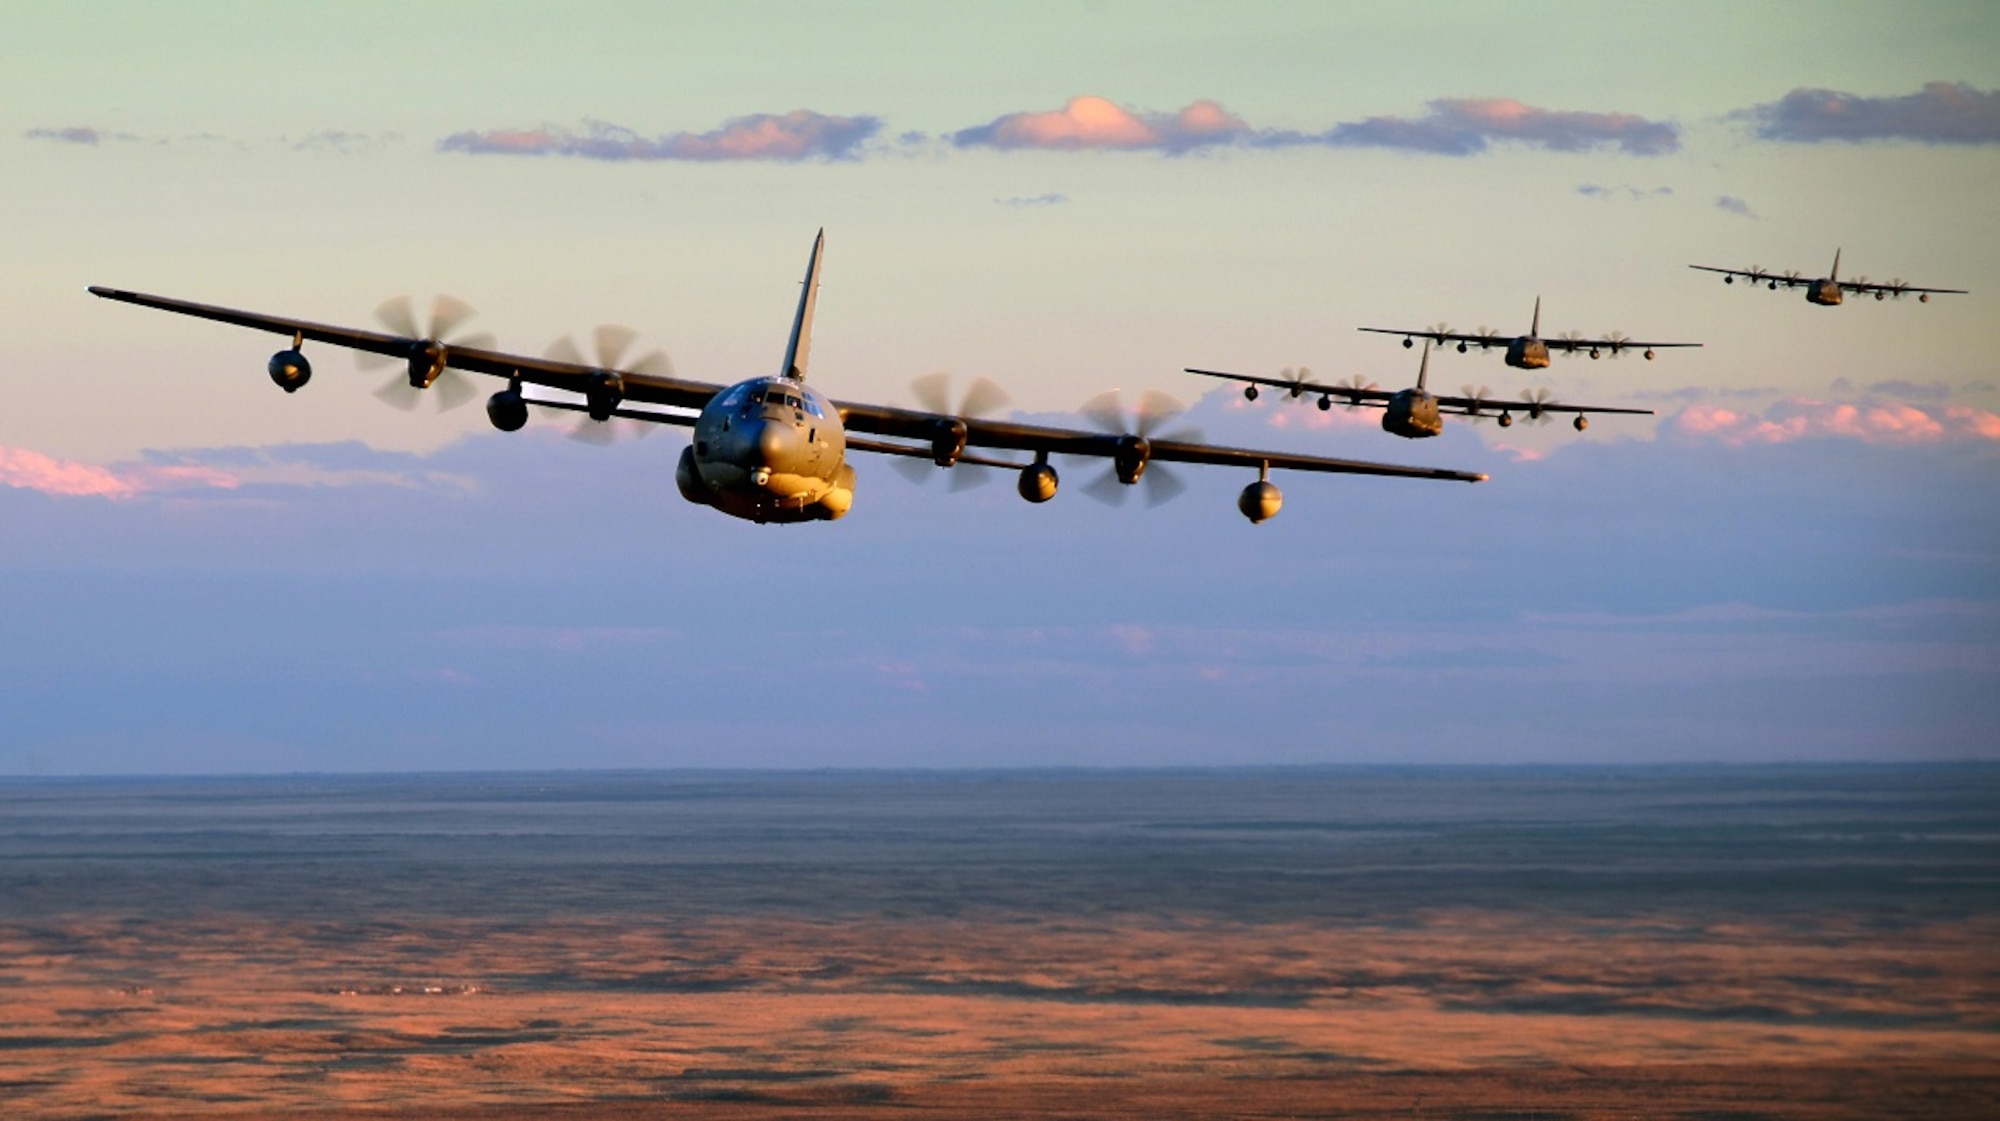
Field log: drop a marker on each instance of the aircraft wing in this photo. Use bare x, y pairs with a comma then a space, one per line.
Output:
1346, 393
1759, 276
679, 393
1488, 406
573, 377
1899, 289
1442, 337
910, 424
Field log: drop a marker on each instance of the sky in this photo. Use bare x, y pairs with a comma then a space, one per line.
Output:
1798, 558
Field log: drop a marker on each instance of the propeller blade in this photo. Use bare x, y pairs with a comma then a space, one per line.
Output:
1107, 489
1155, 408
398, 393
654, 363
564, 350
1161, 484
933, 392
448, 314
918, 471
983, 398
612, 340
1104, 412
453, 389
369, 361
966, 476
397, 314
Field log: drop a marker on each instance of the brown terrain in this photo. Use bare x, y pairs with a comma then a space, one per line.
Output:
128, 988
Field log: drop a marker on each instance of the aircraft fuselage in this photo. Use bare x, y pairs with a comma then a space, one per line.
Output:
1528, 353
769, 450
1826, 293
1412, 413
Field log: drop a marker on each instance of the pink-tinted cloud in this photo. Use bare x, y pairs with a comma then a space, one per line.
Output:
1466, 126
1095, 123
793, 137
1940, 113
1892, 422
26, 469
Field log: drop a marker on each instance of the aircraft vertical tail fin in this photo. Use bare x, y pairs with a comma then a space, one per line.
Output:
1424, 366
1535, 328
800, 346
1835, 273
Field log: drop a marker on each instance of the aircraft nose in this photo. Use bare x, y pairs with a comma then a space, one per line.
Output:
771, 444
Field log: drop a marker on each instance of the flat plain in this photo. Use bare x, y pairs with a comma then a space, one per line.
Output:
1697, 942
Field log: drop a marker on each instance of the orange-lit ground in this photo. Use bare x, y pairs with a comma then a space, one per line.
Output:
1437, 1014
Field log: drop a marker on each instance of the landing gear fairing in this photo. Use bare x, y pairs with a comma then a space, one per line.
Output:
770, 449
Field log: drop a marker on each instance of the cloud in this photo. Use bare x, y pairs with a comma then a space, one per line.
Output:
1035, 202
346, 143
793, 137
89, 137
1466, 126
1940, 113
27, 469
1592, 190
1095, 123
1733, 205
1795, 419
1911, 391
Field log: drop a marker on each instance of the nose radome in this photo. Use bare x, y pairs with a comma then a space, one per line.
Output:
771, 443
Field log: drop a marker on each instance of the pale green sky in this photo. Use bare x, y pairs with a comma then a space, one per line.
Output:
1248, 259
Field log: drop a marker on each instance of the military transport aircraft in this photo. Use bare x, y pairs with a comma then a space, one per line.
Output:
1827, 290
773, 449
1529, 351
1415, 413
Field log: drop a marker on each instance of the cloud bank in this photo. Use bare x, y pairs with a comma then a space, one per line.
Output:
27, 469
77, 134
793, 137
1940, 113
1468, 126
1095, 123
1890, 422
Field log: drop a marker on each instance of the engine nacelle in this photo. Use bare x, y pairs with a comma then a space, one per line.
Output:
948, 443
508, 410
604, 393
1260, 501
1130, 458
1038, 482
290, 370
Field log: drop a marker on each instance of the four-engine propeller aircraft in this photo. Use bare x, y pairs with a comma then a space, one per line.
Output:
1827, 291
773, 449
1529, 351
1415, 413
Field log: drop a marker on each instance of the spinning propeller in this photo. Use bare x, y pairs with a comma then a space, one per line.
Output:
609, 342
448, 314
1475, 395
1107, 413
1356, 386
1538, 400
982, 398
